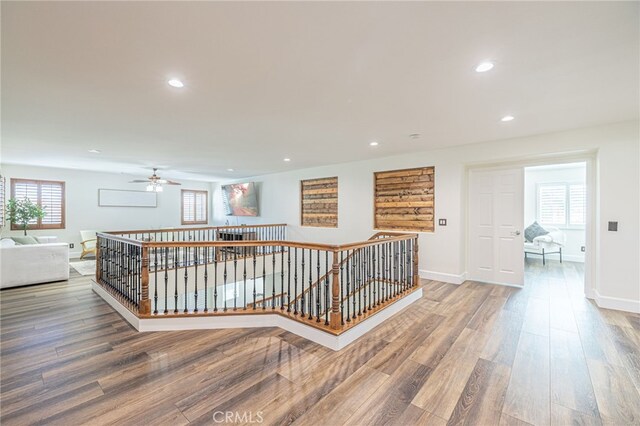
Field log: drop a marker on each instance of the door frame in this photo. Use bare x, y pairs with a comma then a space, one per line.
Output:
591, 238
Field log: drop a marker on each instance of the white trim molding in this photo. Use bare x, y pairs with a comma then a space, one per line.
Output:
607, 302
267, 320
443, 276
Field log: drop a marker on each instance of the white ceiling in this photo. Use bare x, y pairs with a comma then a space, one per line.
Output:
312, 81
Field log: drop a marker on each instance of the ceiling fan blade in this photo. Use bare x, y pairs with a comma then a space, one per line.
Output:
170, 182
139, 181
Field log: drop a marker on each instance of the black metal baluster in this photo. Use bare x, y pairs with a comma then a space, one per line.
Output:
264, 281
175, 275
379, 284
318, 286
374, 282
342, 286
348, 277
395, 267
195, 281
382, 269
360, 279
206, 276
139, 272
289, 280
281, 278
353, 281
235, 278
186, 277
302, 284
364, 277
224, 279
404, 264
273, 277
254, 278
295, 282
310, 284
326, 287
216, 253
244, 275
155, 284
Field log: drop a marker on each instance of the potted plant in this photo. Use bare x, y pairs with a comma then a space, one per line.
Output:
21, 212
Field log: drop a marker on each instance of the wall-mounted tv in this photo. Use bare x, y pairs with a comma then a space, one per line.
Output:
240, 199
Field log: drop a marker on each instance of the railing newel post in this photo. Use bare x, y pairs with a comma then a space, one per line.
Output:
144, 304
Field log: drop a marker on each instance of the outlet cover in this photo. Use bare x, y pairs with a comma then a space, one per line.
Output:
71, 245
613, 226
442, 222
583, 249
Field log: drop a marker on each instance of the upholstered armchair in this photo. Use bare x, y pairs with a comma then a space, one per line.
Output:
89, 240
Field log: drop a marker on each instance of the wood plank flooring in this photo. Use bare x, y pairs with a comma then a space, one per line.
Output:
470, 354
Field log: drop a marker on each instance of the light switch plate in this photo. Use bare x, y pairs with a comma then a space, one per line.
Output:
613, 226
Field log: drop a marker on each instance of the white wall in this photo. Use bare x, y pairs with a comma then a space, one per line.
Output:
443, 252
82, 210
570, 173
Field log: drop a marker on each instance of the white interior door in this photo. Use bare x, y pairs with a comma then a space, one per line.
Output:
496, 218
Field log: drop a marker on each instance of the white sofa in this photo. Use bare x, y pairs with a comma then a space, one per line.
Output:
33, 263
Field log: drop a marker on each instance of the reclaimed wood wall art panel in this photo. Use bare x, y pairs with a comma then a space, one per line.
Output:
404, 200
319, 202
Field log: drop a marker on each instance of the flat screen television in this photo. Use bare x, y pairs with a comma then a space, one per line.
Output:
240, 199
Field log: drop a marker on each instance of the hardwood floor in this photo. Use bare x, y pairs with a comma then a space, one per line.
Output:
469, 354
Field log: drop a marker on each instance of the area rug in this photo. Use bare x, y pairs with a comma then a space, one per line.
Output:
84, 267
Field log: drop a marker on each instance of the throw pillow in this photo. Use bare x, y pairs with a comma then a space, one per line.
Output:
7, 242
26, 240
534, 230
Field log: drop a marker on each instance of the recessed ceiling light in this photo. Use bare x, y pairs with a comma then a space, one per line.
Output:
94, 151
174, 82
229, 170
484, 66
507, 118
287, 159
374, 143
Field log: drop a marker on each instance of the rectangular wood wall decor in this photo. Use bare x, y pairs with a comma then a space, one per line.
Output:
319, 202
404, 200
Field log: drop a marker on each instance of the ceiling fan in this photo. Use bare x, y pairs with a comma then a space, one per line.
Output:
155, 182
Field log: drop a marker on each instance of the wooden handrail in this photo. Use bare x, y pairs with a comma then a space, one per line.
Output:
279, 243
131, 241
200, 228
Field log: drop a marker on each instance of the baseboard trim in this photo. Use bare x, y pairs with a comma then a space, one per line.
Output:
256, 321
573, 258
443, 277
607, 302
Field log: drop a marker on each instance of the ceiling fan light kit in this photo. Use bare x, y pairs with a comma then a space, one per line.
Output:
154, 182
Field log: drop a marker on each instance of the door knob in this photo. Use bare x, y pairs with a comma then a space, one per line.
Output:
515, 233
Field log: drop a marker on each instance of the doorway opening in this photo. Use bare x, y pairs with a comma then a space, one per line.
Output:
555, 237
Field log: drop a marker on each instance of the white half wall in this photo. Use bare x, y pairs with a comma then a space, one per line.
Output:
443, 252
82, 210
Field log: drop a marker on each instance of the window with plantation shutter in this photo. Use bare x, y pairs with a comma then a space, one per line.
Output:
552, 204
47, 194
562, 204
194, 207
577, 205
